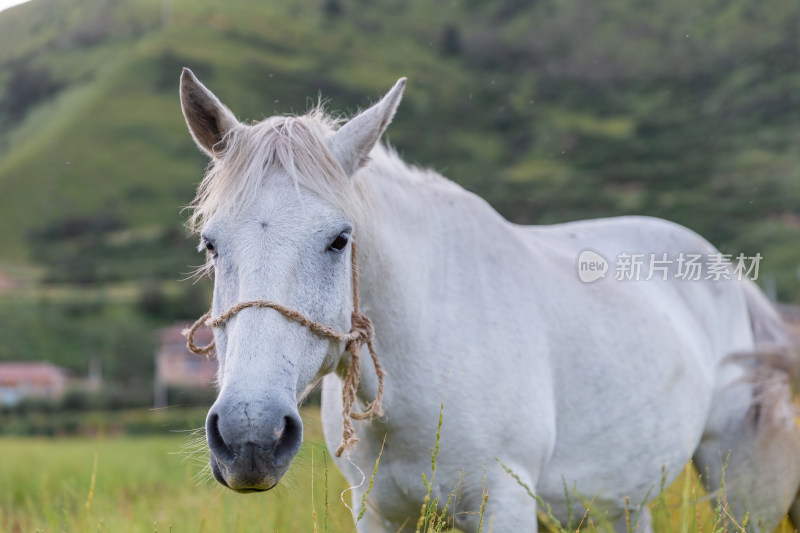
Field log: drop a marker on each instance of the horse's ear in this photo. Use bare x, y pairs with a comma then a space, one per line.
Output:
208, 119
353, 142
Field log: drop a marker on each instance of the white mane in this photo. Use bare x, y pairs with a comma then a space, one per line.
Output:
294, 144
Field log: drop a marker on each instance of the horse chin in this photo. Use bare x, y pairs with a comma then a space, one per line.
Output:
239, 485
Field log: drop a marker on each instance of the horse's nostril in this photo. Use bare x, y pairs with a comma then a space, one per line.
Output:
289, 442
216, 443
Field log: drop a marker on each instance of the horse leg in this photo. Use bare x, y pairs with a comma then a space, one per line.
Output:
644, 524
751, 443
508, 506
374, 523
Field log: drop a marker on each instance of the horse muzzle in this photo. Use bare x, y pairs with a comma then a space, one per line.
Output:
250, 448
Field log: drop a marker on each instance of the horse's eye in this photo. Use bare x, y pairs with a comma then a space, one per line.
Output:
210, 248
339, 242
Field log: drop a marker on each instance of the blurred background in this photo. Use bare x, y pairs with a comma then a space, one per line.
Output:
551, 110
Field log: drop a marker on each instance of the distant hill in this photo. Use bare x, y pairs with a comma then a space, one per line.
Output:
551, 110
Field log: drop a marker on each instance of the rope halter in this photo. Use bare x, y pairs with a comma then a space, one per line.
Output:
361, 333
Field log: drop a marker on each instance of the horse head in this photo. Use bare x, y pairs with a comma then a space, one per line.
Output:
277, 213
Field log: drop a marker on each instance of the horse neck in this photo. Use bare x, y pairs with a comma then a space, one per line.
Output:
386, 248
421, 242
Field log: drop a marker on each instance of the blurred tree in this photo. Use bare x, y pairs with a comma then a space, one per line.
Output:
153, 300
27, 87
451, 40
332, 8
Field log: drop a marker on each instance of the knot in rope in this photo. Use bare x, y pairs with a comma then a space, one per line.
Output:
362, 330
361, 333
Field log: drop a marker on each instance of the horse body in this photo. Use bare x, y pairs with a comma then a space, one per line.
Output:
582, 389
635, 362
597, 386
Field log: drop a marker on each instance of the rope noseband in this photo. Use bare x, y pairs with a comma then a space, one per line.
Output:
361, 333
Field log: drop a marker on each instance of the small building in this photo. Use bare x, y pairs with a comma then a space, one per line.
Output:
177, 367
20, 380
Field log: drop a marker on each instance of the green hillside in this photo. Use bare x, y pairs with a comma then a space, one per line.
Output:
551, 110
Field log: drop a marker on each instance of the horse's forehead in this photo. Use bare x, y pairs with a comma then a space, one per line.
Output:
277, 197
281, 200
279, 205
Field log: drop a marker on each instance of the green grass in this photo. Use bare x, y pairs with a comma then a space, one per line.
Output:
151, 484
161, 483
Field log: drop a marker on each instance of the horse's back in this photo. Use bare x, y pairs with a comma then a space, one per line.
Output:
615, 235
648, 270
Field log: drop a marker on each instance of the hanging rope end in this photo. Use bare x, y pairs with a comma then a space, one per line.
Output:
348, 443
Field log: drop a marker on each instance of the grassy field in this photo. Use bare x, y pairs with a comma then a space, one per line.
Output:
154, 484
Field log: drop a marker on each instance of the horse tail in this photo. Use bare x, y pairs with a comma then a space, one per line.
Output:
765, 320
776, 354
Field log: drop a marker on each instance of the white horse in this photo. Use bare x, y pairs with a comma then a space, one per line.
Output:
593, 386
